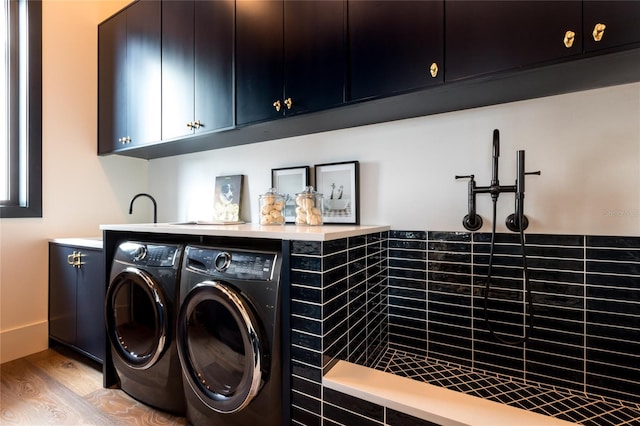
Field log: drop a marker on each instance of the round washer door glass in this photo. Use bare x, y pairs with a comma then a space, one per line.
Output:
219, 347
136, 317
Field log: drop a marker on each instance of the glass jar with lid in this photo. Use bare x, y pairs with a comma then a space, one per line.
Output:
271, 208
309, 207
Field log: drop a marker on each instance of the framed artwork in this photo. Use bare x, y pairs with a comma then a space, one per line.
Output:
227, 196
339, 185
288, 182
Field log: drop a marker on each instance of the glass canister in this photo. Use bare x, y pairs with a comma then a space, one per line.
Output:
271, 208
309, 207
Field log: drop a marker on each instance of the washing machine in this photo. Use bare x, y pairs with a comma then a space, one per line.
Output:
229, 336
140, 314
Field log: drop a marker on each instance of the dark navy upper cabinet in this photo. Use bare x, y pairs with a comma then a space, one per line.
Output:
610, 24
222, 73
197, 66
289, 57
483, 37
112, 83
129, 81
394, 46
259, 60
314, 55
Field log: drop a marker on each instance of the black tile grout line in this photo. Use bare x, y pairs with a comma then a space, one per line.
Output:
570, 405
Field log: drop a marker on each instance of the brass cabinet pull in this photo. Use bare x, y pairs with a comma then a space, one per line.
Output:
194, 125
277, 105
569, 37
433, 69
75, 259
598, 31
288, 102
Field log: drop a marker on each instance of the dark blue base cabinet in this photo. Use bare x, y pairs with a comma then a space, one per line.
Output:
76, 299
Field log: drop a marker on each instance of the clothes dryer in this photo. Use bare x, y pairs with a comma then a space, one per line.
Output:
140, 313
229, 336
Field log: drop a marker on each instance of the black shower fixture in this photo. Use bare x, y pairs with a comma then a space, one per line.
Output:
472, 221
516, 222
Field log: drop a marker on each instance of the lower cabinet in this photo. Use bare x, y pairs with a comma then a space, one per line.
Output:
76, 299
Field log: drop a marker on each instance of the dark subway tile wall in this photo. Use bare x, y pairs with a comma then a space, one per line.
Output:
586, 306
338, 311
613, 316
423, 293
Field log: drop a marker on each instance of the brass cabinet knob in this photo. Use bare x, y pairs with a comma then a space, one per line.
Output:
190, 125
277, 105
569, 37
125, 139
288, 102
598, 31
433, 69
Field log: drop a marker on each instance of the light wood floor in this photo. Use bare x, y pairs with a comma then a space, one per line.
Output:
57, 387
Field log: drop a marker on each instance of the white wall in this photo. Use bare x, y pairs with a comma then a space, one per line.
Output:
586, 144
81, 190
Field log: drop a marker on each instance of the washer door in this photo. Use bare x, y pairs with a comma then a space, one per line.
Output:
220, 347
136, 318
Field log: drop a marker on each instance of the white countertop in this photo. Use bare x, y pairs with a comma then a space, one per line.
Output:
89, 242
250, 230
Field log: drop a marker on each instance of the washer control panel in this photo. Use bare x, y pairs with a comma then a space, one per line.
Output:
231, 264
152, 255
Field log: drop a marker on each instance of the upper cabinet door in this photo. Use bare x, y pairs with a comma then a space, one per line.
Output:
610, 24
177, 68
489, 36
112, 83
197, 66
315, 55
259, 60
395, 46
144, 72
129, 78
213, 85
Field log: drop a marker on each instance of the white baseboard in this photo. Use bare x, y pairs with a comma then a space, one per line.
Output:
22, 341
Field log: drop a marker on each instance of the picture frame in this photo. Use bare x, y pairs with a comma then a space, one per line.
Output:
288, 181
339, 184
227, 198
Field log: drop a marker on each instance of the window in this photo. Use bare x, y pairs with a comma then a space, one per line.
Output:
21, 109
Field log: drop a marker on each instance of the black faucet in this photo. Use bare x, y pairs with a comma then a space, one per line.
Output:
155, 205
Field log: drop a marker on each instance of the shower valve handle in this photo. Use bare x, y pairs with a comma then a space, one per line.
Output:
471, 221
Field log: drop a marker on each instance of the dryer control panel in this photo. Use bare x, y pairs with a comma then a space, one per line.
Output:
144, 254
231, 264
